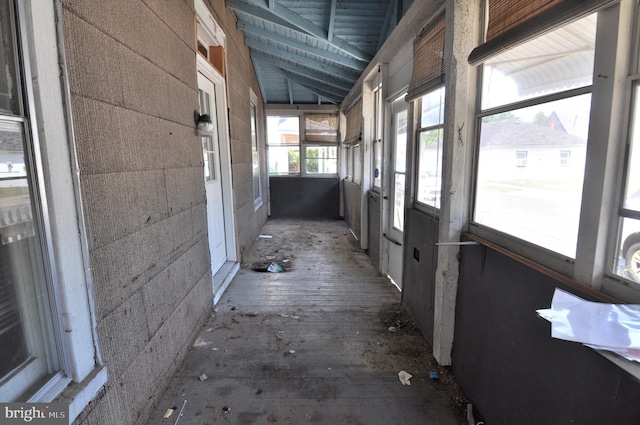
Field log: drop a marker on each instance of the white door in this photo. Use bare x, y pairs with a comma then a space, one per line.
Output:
212, 176
397, 186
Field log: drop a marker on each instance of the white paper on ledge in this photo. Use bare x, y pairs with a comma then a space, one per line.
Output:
602, 326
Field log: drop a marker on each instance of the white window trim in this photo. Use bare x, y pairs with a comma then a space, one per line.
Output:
58, 167
214, 32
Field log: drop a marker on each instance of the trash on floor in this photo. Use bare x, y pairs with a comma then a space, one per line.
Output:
392, 329
203, 377
265, 236
434, 375
199, 343
226, 410
181, 412
275, 268
404, 377
169, 412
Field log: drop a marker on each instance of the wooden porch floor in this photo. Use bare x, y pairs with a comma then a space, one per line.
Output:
321, 343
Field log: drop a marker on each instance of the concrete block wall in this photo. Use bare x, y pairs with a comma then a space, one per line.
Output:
132, 76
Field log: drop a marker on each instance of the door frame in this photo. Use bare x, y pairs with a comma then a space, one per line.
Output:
225, 154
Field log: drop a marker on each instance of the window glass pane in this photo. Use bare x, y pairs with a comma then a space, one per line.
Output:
557, 61
283, 138
322, 159
204, 101
632, 192
432, 108
398, 203
283, 130
321, 127
377, 164
522, 188
284, 160
378, 114
430, 167
628, 263
209, 157
255, 153
400, 154
357, 164
377, 139
27, 344
9, 83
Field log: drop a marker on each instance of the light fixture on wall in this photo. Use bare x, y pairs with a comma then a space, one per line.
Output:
204, 125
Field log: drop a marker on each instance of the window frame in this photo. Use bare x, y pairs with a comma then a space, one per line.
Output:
48, 309
589, 266
616, 239
418, 204
47, 100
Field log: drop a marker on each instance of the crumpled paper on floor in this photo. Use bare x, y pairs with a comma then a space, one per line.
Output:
404, 377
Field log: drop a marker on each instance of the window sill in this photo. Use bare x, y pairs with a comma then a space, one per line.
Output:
632, 368
79, 395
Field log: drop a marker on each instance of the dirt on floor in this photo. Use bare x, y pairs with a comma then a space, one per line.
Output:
406, 340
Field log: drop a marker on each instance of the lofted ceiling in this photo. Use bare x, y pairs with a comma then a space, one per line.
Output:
313, 51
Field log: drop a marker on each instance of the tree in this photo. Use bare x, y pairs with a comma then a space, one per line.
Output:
312, 160
294, 160
503, 116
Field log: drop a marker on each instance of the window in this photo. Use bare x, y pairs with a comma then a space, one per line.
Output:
349, 155
283, 135
210, 39
357, 164
208, 142
321, 141
536, 101
353, 139
322, 160
521, 158
30, 340
378, 117
429, 152
426, 87
255, 151
319, 149
399, 163
628, 259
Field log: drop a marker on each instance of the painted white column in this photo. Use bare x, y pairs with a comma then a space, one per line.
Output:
462, 29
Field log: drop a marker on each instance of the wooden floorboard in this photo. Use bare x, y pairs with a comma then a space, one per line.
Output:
320, 343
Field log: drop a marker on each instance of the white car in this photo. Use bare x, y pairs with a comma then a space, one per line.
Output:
630, 252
